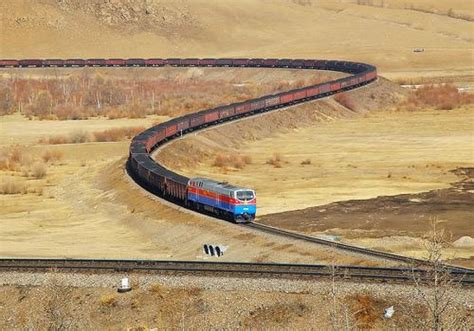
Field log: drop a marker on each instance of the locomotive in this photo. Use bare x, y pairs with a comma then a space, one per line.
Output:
228, 201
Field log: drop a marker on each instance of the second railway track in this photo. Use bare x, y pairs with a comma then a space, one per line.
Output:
231, 269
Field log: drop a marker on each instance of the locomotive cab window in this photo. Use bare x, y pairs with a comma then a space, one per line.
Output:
245, 195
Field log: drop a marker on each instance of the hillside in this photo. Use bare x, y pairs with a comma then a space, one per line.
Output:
385, 36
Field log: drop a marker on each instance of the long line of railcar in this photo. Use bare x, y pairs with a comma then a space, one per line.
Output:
170, 185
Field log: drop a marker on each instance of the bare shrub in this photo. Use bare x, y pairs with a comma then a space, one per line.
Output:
79, 137
117, 134
52, 155
11, 185
276, 160
306, 162
233, 161
345, 100
39, 170
108, 300
439, 288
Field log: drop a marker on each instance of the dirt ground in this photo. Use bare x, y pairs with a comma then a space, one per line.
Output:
186, 302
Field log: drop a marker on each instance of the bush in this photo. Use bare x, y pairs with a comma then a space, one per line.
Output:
79, 137
51, 155
233, 161
441, 97
108, 300
11, 185
275, 160
38, 170
117, 134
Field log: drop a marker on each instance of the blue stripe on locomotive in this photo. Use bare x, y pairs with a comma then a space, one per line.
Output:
234, 209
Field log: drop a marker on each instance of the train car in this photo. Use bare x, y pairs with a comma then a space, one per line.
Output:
207, 62
335, 86
75, 63
211, 117
242, 108
272, 101
96, 62
154, 62
171, 130
183, 124
190, 62
9, 63
283, 63
257, 104
238, 204
325, 88
287, 97
224, 62
312, 91
174, 62
255, 62
53, 63
269, 63
31, 63
226, 112
240, 62
308, 64
297, 63
196, 120
135, 62
115, 62
300, 94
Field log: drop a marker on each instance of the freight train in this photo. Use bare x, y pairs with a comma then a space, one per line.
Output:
211, 196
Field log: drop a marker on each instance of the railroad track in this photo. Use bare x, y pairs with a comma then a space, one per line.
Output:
231, 269
350, 248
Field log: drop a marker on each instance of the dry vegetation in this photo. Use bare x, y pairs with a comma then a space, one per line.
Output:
109, 135
276, 160
227, 161
438, 97
91, 95
16, 162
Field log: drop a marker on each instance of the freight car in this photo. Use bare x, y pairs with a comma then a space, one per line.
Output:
180, 189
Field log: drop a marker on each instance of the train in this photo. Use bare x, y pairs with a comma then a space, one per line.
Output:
177, 188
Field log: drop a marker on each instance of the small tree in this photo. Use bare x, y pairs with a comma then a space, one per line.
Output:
439, 288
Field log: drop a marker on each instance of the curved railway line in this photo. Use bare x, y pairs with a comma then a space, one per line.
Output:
172, 186
232, 269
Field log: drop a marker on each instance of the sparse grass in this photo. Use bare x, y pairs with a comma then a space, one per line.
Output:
108, 300
11, 185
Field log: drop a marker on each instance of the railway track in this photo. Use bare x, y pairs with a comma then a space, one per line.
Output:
231, 269
349, 248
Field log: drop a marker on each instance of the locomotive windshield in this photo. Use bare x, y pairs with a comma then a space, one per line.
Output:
245, 195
